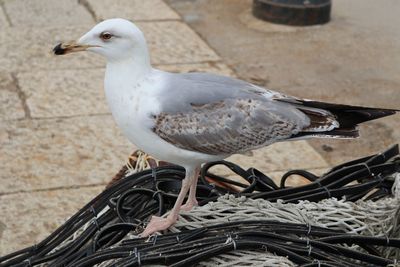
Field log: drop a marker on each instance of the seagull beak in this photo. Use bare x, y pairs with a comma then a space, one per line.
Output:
66, 48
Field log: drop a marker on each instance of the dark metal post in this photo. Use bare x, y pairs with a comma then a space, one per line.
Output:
293, 12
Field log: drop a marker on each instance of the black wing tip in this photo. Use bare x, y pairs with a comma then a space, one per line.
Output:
349, 116
369, 114
333, 106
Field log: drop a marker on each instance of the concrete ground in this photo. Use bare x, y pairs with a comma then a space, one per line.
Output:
354, 59
59, 145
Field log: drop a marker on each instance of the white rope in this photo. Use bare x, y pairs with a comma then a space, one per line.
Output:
248, 258
373, 218
141, 163
361, 217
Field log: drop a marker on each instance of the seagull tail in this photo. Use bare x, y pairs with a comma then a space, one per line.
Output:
350, 116
347, 117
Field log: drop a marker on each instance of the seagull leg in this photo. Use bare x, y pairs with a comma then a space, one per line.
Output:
192, 201
158, 223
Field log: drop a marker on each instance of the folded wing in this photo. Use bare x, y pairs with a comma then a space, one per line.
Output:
219, 115
230, 126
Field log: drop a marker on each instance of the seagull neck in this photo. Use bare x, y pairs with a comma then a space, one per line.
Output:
134, 68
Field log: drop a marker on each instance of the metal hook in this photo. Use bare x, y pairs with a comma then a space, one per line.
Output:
135, 251
230, 240
309, 250
309, 229
28, 261
327, 190
154, 237
138, 259
137, 255
154, 175
381, 179
95, 222
367, 167
387, 240
92, 210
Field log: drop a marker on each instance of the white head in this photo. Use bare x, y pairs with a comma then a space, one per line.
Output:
115, 39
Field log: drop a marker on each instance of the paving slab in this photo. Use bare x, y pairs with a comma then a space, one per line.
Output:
76, 92
3, 19
51, 153
27, 49
46, 12
28, 218
174, 42
370, 15
132, 9
64, 92
10, 104
353, 59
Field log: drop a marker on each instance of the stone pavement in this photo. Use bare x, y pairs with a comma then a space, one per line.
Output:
58, 143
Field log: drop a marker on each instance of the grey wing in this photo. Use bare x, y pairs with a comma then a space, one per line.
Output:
182, 90
229, 126
220, 115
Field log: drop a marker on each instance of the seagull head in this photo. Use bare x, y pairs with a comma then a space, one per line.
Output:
115, 39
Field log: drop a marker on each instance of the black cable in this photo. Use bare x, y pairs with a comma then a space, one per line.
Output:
132, 200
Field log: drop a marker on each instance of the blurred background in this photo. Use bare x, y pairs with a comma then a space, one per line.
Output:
59, 145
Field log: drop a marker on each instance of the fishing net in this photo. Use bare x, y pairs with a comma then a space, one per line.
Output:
347, 217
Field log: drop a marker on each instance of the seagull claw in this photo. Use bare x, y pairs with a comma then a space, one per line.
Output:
157, 224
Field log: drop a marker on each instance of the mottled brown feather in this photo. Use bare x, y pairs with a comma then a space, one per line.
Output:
226, 127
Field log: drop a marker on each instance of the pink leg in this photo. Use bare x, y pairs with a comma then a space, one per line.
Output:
157, 223
192, 201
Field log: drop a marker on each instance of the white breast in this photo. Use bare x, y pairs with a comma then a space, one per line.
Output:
132, 105
132, 102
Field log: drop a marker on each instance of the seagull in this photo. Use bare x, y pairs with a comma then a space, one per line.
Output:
193, 118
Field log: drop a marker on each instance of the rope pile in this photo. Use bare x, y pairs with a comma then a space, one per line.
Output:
347, 217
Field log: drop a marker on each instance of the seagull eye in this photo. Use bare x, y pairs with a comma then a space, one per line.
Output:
106, 36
